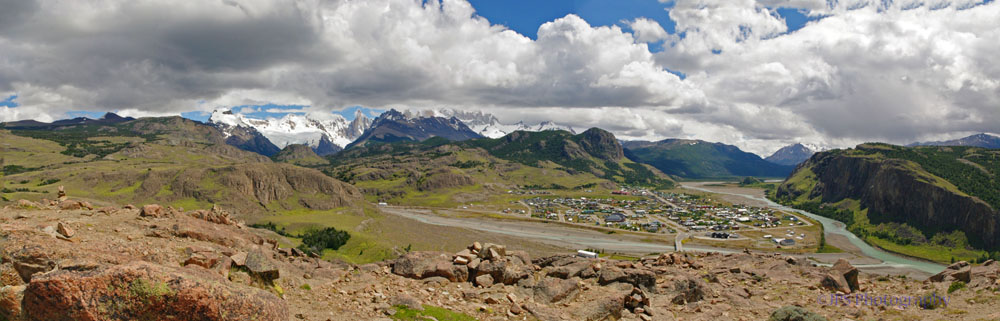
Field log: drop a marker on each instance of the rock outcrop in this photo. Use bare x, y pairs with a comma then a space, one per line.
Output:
142, 291
897, 190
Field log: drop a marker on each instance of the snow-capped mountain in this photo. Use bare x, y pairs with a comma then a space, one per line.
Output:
486, 124
326, 134
394, 126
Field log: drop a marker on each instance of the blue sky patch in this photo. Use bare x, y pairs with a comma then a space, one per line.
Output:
795, 19
9, 102
201, 116
525, 16
85, 113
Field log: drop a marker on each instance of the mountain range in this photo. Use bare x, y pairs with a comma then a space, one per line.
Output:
329, 134
393, 126
326, 135
979, 140
487, 125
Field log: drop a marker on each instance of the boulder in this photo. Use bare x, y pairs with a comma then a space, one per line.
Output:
421, 265
69, 205
8, 275
834, 282
261, 267
407, 301
484, 280
31, 260
641, 278
570, 270
10, 302
964, 274
152, 210
603, 307
143, 291
492, 251
239, 259
551, 290
960, 267
504, 270
207, 261
849, 272
65, 230
26, 204
689, 290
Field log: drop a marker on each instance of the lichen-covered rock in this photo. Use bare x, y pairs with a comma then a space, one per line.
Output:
152, 210
31, 260
690, 290
550, 290
421, 265
504, 270
10, 302
637, 277
143, 291
261, 267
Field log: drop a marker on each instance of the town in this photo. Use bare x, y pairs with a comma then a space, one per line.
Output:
648, 211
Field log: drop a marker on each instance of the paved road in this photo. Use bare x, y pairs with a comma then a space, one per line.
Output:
562, 236
679, 241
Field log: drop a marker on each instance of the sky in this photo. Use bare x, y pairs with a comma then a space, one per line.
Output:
759, 74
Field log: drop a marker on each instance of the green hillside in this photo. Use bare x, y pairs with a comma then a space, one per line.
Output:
930, 202
301, 155
695, 159
594, 152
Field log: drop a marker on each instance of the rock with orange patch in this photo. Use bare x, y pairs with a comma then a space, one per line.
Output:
143, 291
153, 210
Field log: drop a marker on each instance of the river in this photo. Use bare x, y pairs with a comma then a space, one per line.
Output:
831, 226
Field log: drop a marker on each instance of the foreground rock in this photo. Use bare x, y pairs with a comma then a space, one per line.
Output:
142, 291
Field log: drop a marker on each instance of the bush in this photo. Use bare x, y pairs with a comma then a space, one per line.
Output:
955, 286
271, 227
49, 181
328, 238
931, 301
794, 313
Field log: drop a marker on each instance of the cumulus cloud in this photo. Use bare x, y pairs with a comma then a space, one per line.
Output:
648, 30
868, 70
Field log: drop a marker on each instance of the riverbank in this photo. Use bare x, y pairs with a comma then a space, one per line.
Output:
835, 232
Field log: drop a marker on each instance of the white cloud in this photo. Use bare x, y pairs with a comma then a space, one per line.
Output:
869, 70
648, 30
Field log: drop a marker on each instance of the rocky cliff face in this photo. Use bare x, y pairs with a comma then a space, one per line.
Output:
897, 191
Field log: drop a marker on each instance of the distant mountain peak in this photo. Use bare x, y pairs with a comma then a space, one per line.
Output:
791, 155
114, 117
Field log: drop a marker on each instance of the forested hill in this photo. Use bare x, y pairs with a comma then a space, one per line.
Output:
943, 197
594, 151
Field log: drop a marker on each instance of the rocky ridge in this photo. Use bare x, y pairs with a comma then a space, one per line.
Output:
153, 262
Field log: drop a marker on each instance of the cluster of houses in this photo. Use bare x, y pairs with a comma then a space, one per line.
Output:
630, 214
698, 214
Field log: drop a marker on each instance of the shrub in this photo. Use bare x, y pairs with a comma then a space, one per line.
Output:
955, 286
317, 240
794, 313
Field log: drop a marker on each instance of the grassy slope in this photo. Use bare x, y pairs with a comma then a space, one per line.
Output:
923, 162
